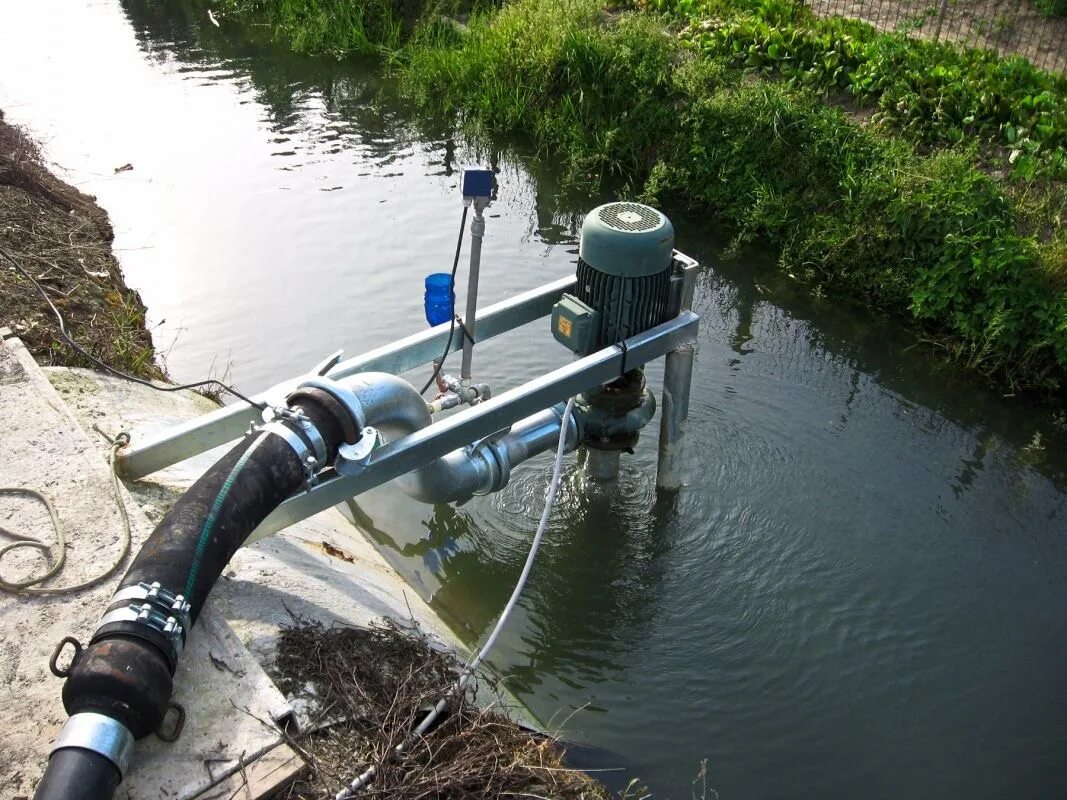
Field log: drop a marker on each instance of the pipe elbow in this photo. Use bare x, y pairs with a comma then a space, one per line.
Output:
454, 478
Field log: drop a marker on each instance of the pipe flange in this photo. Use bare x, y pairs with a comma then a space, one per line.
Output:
99, 733
615, 429
497, 461
346, 397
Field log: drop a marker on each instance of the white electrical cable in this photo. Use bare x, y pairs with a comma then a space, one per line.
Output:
550, 500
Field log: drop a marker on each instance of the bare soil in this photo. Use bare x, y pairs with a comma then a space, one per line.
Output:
63, 238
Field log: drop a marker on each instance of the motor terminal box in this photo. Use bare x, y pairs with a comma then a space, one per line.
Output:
574, 324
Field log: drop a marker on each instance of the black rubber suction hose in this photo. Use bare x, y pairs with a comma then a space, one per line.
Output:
77, 774
126, 672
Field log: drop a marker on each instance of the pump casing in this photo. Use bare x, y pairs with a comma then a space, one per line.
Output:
623, 279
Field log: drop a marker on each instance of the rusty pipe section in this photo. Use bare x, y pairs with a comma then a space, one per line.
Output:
396, 409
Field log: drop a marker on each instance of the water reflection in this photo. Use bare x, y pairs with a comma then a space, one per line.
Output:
599, 572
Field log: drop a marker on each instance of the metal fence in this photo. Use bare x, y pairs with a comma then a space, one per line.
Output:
1010, 27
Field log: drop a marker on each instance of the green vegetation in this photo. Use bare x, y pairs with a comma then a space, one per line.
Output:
1052, 8
343, 27
336, 27
927, 180
850, 206
933, 94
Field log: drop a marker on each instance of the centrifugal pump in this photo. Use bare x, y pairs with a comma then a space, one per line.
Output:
625, 264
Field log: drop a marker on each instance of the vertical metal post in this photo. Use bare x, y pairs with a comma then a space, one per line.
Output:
940, 20
601, 465
677, 377
470, 317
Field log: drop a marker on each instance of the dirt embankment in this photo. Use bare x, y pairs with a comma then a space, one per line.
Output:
62, 238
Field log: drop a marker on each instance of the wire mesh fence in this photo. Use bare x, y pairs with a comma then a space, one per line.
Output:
1010, 27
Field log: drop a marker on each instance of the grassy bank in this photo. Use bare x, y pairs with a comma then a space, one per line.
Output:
852, 206
926, 180
343, 27
63, 239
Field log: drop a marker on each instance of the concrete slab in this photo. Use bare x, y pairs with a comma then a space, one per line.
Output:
43, 447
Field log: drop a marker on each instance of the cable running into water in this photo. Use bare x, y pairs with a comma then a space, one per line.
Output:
457, 689
452, 288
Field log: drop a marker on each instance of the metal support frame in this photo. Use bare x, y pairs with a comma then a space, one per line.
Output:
470, 318
675, 339
231, 422
419, 448
677, 377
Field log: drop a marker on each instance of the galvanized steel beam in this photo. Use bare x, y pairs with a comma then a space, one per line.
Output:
199, 435
419, 448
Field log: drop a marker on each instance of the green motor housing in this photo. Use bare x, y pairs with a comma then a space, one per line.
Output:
623, 279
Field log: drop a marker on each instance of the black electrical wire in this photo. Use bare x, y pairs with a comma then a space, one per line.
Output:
452, 290
116, 372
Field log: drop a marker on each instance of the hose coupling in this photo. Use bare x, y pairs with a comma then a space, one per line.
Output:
346, 406
99, 733
353, 458
148, 611
308, 445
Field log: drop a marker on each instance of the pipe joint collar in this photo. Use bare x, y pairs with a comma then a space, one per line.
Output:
100, 734
151, 606
343, 395
615, 429
301, 446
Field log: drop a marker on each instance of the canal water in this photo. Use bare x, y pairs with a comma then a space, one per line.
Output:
860, 592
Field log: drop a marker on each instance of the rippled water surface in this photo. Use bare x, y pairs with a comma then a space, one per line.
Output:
861, 591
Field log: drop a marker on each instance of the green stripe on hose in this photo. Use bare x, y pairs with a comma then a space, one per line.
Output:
216, 509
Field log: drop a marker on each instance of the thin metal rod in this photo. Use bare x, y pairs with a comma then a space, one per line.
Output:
148, 454
416, 450
470, 318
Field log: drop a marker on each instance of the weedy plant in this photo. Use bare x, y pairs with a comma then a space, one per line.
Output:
933, 94
853, 207
943, 200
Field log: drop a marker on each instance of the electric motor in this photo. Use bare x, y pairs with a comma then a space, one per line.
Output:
623, 280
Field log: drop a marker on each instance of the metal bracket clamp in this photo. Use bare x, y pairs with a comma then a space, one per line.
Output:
353, 458
100, 734
346, 397
308, 429
154, 607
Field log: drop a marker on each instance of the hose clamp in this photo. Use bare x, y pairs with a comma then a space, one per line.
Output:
151, 605
100, 734
309, 461
346, 397
308, 429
